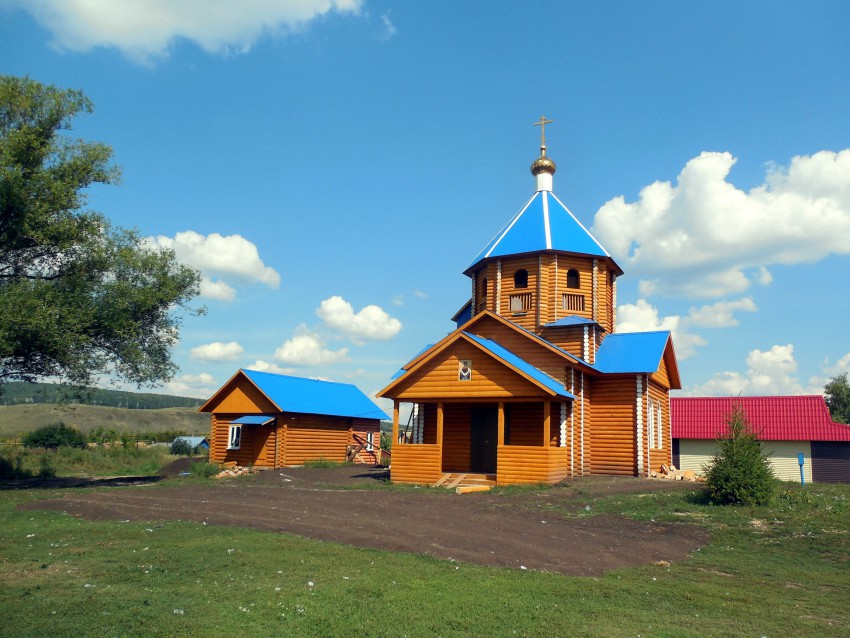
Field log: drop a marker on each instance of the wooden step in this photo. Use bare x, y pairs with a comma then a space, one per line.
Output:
452, 480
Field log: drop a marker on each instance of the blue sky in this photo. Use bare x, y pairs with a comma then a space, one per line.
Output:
332, 166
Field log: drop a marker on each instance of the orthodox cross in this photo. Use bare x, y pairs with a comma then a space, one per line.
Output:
542, 124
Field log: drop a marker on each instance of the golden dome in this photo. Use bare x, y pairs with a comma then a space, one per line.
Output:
543, 164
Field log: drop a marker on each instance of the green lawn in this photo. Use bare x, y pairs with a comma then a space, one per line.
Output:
777, 571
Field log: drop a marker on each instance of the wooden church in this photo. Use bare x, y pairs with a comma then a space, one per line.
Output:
535, 385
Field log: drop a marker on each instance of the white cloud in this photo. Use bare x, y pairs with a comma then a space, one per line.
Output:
217, 351
308, 349
145, 29
199, 386
770, 373
216, 290
230, 257
264, 366
720, 314
642, 316
371, 323
704, 238
389, 28
842, 366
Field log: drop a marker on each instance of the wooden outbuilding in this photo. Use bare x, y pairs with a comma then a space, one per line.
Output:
787, 427
274, 420
534, 385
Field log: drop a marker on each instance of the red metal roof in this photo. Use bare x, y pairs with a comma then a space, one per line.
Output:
799, 418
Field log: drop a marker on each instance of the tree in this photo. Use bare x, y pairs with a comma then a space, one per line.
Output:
740, 473
837, 395
55, 436
78, 296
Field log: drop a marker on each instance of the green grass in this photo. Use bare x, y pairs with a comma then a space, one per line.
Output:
16, 420
773, 571
94, 461
324, 463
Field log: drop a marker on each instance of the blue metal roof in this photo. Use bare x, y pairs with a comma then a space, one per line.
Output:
311, 396
631, 352
463, 315
544, 223
253, 419
509, 357
572, 320
193, 441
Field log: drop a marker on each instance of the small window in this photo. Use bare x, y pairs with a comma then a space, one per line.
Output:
370, 441
521, 278
573, 278
521, 302
234, 439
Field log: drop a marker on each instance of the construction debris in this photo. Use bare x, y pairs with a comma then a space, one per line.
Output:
235, 471
670, 473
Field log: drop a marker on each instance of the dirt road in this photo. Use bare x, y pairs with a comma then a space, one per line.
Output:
514, 530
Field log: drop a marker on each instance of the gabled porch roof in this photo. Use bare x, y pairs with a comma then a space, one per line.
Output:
501, 354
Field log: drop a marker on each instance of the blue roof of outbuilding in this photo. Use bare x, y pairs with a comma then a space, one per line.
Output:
631, 352
520, 364
311, 396
544, 223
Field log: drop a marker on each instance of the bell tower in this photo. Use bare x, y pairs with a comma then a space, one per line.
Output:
545, 272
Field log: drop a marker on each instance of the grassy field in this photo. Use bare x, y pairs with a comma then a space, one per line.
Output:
775, 571
16, 420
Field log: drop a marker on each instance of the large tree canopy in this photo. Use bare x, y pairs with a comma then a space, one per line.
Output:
837, 394
78, 296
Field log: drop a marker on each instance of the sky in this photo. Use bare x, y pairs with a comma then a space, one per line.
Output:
332, 166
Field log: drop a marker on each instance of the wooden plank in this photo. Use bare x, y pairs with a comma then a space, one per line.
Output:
456, 482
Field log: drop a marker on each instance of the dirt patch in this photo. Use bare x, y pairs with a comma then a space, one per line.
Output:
514, 529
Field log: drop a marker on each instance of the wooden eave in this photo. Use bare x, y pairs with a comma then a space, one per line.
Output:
669, 357
218, 396
445, 343
552, 251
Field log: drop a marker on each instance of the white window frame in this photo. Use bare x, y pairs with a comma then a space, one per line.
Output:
651, 425
234, 437
659, 423
370, 441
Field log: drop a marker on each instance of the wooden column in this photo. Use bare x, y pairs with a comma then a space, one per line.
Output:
547, 421
501, 437
395, 421
440, 424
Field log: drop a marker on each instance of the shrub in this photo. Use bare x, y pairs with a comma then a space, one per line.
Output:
54, 436
204, 470
12, 463
181, 447
739, 473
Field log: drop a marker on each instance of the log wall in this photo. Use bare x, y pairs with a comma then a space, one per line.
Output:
438, 379
419, 463
613, 446
256, 445
531, 464
664, 453
310, 437
525, 424
242, 397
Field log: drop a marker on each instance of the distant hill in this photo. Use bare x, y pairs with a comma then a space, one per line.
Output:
19, 393
16, 420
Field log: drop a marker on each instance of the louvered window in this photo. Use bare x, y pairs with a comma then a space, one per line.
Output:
521, 302
573, 302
